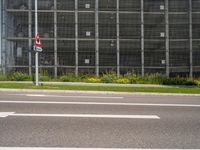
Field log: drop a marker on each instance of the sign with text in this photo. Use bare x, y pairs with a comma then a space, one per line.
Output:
37, 44
37, 49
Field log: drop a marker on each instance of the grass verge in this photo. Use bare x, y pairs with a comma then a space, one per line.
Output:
102, 88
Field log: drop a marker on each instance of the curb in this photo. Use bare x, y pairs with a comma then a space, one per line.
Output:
96, 92
99, 84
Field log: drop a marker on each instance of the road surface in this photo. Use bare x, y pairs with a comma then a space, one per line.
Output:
116, 121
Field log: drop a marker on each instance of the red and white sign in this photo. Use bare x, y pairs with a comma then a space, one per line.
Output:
37, 41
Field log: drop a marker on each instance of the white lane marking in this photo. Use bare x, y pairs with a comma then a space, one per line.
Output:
83, 116
90, 116
62, 96
5, 114
34, 95
54, 148
58, 96
98, 103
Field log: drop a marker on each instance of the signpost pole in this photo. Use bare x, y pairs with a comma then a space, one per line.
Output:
36, 52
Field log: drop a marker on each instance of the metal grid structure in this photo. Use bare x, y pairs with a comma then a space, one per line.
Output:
95, 36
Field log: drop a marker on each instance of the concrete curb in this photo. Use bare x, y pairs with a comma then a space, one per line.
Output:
97, 84
94, 92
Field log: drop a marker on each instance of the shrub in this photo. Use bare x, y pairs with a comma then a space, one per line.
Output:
72, 78
44, 78
197, 82
19, 76
132, 77
190, 82
67, 78
159, 79
155, 78
3, 77
108, 77
179, 81
147, 79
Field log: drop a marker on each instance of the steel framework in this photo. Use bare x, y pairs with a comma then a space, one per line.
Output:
96, 36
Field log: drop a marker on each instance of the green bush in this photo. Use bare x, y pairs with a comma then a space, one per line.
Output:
197, 82
108, 78
44, 78
19, 76
111, 77
3, 77
158, 79
190, 82
153, 79
72, 78
132, 77
179, 81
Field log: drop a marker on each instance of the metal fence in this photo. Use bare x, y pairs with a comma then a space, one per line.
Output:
96, 36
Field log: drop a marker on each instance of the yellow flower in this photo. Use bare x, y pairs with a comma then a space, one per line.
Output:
122, 80
93, 80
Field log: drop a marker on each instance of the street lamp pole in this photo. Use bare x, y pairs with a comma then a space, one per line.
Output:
36, 53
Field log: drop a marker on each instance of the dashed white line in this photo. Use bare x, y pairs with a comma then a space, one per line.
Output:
72, 96
58, 96
6, 114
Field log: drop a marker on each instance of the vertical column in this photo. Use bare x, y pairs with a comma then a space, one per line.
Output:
191, 45
55, 40
97, 36
76, 37
167, 37
0, 33
4, 38
118, 46
36, 53
30, 36
142, 37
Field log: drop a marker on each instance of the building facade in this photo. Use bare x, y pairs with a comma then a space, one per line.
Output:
96, 36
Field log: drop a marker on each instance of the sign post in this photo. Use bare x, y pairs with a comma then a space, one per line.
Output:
36, 53
37, 45
37, 48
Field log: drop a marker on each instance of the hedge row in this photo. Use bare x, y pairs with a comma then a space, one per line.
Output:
129, 78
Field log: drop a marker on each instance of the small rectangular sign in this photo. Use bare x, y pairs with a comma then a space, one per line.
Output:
37, 49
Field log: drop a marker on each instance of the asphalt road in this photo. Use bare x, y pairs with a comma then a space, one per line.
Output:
99, 121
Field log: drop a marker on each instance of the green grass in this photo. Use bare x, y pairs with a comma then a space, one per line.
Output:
102, 88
